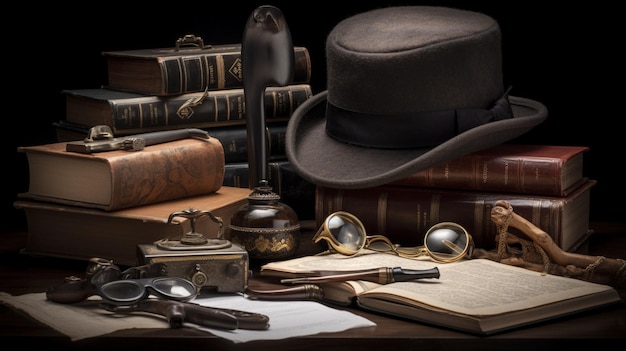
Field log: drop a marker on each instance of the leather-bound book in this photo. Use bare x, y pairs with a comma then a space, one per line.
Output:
112, 180
233, 138
553, 170
235, 141
404, 214
131, 113
293, 190
173, 71
82, 233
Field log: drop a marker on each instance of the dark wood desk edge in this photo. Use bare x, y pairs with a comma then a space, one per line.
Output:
22, 274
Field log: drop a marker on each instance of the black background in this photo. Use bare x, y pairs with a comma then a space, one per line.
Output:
569, 58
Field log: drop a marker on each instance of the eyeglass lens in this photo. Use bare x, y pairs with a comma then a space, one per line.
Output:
132, 290
446, 241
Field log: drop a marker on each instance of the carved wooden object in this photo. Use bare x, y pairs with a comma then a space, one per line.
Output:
542, 254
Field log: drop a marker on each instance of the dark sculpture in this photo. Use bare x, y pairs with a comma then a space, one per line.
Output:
265, 227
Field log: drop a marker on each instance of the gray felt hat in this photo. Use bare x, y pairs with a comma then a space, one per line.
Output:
407, 88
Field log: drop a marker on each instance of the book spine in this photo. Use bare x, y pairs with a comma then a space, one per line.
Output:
405, 213
219, 108
494, 173
235, 141
190, 74
181, 170
236, 175
297, 192
69, 131
233, 138
117, 234
293, 190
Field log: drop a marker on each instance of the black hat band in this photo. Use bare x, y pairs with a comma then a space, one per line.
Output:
412, 130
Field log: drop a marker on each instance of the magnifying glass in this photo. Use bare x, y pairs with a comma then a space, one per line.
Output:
346, 235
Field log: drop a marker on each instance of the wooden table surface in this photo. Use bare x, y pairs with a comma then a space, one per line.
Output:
20, 274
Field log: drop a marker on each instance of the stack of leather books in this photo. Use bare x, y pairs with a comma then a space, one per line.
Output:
195, 85
104, 204
544, 184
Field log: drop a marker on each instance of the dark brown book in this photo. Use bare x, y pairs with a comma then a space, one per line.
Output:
168, 71
233, 138
552, 170
405, 213
236, 174
82, 233
131, 113
293, 190
119, 179
235, 141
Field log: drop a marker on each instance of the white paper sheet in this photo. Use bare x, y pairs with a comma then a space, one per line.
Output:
86, 319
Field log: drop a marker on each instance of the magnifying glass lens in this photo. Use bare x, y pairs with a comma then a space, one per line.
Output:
446, 242
346, 233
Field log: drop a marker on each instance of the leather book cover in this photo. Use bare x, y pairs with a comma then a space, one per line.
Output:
294, 191
552, 170
119, 179
406, 213
172, 71
78, 232
131, 113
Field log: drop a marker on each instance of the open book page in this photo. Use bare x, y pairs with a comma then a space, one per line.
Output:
342, 292
483, 287
476, 287
367, 259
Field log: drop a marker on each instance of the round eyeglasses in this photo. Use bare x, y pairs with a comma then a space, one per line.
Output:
346, 235
129, 291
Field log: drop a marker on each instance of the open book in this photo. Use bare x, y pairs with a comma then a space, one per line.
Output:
477, 296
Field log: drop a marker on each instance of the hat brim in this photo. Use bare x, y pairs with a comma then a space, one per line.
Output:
324, 161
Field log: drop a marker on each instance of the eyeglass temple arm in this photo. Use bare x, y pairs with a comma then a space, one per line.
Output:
383, 275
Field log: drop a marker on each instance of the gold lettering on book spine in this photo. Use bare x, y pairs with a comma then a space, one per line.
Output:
221, 74
485, 173
235, 70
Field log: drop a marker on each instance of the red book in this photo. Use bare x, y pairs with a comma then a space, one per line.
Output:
508, 168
